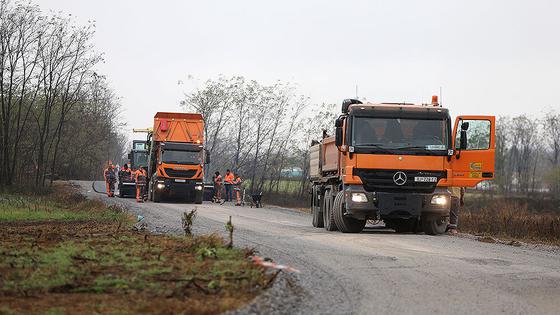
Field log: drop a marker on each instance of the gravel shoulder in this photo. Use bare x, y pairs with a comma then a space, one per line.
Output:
375, 271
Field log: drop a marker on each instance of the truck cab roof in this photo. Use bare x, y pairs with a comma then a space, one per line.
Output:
398, 110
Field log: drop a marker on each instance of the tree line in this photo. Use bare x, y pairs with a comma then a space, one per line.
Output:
250, 128
59, 117
528, 154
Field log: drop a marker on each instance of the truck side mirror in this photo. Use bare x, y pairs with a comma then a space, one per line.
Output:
206, 156
463, 139
130, 156
338, 136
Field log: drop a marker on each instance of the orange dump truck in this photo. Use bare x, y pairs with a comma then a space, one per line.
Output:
176, 157
396, 162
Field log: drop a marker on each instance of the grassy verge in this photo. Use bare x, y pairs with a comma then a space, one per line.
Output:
511, 220
61, 253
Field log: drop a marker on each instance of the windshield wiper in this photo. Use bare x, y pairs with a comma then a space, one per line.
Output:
423, 147
411, 147
377, 146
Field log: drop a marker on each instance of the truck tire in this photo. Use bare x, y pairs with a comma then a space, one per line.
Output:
198, 197
434, 225
316, 209
328, 220
156, 196
343, 223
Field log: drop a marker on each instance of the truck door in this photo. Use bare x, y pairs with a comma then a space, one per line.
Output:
473, 144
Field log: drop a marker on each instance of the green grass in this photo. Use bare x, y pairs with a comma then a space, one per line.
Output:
25, 208
120, 263
62, 243
285, 186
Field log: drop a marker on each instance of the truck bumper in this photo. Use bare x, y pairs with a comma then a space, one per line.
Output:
385, 205
178, 187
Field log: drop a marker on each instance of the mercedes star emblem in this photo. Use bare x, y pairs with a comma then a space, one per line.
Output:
399, 178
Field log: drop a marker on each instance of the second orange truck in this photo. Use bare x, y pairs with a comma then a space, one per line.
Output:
176, 157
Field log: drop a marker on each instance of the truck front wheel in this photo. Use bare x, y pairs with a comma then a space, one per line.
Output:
344, 223
198, 197
434, 225
156, 195
316, 209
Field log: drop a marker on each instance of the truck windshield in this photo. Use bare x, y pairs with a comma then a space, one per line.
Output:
399, 134
140, 159
182, 157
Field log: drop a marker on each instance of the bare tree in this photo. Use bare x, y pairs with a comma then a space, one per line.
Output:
45, 61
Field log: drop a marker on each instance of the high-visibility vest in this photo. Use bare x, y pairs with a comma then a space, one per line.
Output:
140, 177
229, 178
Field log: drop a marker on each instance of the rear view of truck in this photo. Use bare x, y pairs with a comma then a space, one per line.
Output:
176, 157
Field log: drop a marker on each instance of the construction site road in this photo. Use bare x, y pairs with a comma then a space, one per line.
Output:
377, 271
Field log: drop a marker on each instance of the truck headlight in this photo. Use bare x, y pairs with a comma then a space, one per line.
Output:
440, 200
198, 187
160, 186
359, 197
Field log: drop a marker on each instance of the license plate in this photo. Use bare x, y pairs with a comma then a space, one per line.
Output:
180, 180
425, 179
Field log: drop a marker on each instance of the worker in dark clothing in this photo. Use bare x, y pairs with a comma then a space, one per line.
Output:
218, 182
140, 178
125, 173
457, 201
228, 183
237, 190
110, 179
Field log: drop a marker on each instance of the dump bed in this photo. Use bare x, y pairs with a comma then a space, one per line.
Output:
178, 127
314, 161
330, 155
323, 159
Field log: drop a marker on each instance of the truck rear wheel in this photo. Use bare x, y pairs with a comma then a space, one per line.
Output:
343, 223
316, 209
434, 225
328, 220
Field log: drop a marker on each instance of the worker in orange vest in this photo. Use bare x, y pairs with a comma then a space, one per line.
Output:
237, 189
110, 179
140, 178
228, 183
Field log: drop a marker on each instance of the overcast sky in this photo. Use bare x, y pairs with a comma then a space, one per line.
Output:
489, 57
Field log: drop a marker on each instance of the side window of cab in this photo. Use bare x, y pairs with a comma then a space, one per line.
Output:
478, 134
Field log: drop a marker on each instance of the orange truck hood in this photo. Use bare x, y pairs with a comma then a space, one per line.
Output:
179, 171
401, 162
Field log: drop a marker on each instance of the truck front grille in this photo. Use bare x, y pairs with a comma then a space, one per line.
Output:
382, 180
180, 173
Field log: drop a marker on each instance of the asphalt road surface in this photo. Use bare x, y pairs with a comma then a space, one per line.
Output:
378, 271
